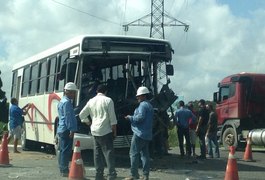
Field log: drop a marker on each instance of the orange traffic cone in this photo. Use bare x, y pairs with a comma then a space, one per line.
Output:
248, 151
77, 170
4, 157
231, 168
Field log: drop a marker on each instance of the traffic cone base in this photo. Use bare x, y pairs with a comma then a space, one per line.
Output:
4, 157
77, 170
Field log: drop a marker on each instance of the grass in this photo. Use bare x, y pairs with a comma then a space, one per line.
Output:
173, 137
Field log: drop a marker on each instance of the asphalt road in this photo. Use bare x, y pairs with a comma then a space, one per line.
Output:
30, 165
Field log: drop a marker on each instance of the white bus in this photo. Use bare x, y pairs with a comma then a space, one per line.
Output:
122, 63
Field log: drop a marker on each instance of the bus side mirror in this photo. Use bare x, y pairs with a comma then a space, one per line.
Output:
169, 69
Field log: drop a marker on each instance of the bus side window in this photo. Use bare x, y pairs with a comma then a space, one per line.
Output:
15, 85
42, 77
71, 72
68, 70
60, 79
25, 83
51, 74
34, 79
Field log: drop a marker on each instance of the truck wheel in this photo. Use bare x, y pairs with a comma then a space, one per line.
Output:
229, 138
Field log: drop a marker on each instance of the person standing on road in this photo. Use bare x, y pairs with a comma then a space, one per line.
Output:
67, 127
101, 110
192, 128
141, 124
201, 128
211, 133
16, 121
182, 117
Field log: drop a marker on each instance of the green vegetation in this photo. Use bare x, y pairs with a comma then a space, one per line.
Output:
173, 137
3, 128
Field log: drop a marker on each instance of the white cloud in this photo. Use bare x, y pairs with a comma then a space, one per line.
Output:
217, 44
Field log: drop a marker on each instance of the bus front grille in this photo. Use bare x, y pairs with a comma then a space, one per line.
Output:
122, 141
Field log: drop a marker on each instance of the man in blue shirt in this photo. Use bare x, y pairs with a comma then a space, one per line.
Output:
67, 127
141, 124
16, 121
182, 117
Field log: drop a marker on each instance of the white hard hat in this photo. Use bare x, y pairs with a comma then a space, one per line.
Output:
70, 86
142, 90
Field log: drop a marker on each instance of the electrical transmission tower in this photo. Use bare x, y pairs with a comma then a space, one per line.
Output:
159, 19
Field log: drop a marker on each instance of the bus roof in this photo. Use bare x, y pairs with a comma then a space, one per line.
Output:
76, 41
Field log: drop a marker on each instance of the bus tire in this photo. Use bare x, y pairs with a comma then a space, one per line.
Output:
229, 138
56, 139
57, 147
25, 143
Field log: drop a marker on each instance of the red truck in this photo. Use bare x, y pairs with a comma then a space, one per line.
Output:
240, 106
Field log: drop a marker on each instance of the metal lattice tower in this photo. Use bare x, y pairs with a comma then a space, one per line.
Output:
157, 24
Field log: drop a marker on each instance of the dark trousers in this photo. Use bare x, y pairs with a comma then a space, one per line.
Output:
201, 136
103, 148
184, 132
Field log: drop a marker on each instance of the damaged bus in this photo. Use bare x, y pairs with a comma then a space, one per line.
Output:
123, 63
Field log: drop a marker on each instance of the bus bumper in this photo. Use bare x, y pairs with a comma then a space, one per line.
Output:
87, 141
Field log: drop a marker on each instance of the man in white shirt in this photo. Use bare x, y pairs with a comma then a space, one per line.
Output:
101, 110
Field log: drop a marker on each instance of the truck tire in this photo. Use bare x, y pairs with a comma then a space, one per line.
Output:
229, 138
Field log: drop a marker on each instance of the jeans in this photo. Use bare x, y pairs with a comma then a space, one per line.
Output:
139, 148
65, 146
103, 148
213, 147
181, 133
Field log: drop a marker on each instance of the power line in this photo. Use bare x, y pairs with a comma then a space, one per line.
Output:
80, 11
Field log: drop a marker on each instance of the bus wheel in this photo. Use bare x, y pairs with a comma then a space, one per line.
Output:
229, 138
25, 143
57, 147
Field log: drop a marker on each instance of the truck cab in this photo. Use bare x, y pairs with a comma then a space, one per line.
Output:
240, 106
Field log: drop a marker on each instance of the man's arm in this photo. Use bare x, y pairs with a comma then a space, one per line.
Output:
113, 119
70, 119
83, 115
111, 113
209, 125
114, 130
199, 124
26, 108
139, 116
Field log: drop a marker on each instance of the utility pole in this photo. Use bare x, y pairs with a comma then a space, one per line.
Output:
159, 19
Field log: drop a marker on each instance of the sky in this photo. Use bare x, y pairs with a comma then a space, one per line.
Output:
225, 36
